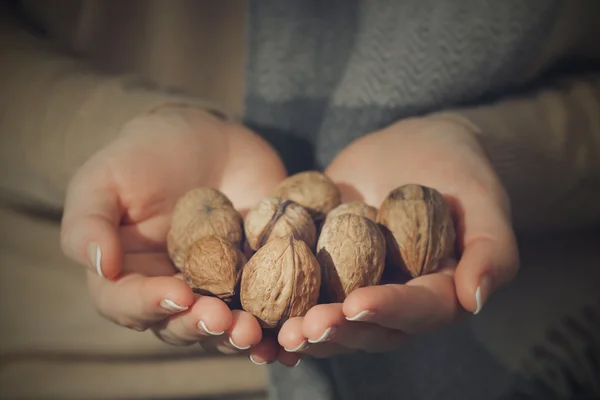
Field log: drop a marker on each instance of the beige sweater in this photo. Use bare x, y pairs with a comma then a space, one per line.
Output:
66, 95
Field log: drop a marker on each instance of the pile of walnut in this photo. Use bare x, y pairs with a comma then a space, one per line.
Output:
302, 246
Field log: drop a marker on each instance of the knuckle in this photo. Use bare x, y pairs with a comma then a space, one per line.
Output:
135, 327
131, 323
124, 321
168, 338
66, 233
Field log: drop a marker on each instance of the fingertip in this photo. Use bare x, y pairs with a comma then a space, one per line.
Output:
362, 301
290, 336
264, 352
214, 313
169, 291
245, 331
93, 242
288, 359
320, 318
484, 266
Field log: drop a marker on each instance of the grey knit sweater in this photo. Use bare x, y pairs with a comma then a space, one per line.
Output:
322, 73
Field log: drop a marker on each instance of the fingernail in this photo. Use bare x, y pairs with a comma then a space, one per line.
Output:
482, 292
204, 328
327, 335
362, 316
297, 362
171, 306
255, 361
95, 256
238, 347
300, 347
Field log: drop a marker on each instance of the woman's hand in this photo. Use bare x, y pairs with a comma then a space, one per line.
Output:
118, 210
442, 153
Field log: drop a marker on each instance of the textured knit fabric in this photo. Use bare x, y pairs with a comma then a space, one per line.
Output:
322, 73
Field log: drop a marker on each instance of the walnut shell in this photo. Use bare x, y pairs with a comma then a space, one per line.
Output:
280, 281
274, 217
351, 250
198, 213
213, 267
354, 207
419, 229
312, 190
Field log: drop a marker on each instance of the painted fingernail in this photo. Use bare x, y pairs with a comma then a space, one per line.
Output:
171, 306
95, 257
327, 335
202, 326
256, 361
482, 292
362, 316
300, 347
297, 362
238, 347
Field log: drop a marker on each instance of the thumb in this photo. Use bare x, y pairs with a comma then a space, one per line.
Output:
90, 226
489, 260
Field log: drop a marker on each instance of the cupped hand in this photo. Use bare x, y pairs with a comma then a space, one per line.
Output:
118, 211
442, 153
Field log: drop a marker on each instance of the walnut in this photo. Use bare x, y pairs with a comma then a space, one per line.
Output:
274, 217
419, 229
198, 213
351, 250
312, 190
280, 281
354, 207
213, 267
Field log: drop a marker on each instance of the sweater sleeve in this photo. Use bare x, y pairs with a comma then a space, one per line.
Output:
544, 142
545, 146
56, 111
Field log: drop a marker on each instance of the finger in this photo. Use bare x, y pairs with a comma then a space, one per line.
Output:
207, 318
288, 359
487, 262
265, 352
290, 336
322, 322
89, 229
136, 301
318, 326
245, 331
423, 304
326, 324
323, 333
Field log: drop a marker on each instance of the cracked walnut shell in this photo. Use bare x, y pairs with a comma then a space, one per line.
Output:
280, 281
274, 217
198, 213
313, 190
213, 267
419, 229
351, 250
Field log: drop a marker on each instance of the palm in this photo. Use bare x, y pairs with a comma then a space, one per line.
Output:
149, 190
139, 177
445, 156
